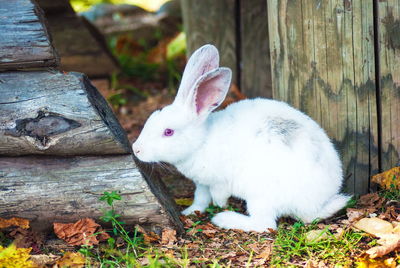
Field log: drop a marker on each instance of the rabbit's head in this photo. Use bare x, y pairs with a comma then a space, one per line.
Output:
178, 130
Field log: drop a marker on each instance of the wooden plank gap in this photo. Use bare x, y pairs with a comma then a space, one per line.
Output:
375, 11
238, 43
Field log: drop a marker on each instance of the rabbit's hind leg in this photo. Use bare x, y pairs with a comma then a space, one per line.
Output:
260, 220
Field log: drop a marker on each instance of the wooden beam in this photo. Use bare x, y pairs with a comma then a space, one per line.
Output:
212, 22
24, 41
56, 189
51, 6
389, 59
81, 48
55, 113
322, 54
255, 63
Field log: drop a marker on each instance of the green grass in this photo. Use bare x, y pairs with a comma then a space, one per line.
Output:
291, 245
134, 252
290, 248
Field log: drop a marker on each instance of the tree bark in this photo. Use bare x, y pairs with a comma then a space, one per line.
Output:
24, 40
64, 189
55, 113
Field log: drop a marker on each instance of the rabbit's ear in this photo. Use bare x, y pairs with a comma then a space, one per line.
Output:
202, 61
210, 91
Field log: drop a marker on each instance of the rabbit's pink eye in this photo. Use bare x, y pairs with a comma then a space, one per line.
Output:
168, 132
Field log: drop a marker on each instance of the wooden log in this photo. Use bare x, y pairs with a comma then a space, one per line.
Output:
389, 59
255, 63
24, 41
212, 22
322, 55
47, 189
51, 6
81, 47
55, 113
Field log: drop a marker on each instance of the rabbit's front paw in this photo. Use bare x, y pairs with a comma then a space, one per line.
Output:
192, 209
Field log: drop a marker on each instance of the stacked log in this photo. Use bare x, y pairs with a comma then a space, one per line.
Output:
61, 147
25, 41
80, 45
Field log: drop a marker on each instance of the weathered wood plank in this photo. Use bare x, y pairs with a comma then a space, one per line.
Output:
255, 63
81, 49
212, 22
389, 58
47, 189
24, 40
54, 113
51, 6
323, 64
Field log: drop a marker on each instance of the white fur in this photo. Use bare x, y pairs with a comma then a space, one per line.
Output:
263, 151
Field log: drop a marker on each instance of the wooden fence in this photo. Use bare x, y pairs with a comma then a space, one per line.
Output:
336, 60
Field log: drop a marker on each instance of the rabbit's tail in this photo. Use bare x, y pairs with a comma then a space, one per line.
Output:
333, 205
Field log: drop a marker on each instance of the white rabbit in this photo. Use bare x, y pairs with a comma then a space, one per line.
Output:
263, 151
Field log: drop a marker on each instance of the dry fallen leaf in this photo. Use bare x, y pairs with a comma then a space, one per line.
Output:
71, 260
388, 179
12, 256
149, 237
24, 238
339, 233
371, 200
186, 221
83, 232
388, 242
19, 222
43, 259
265, 253
354, 214
168, 236
391, 213
396, 229
374, 226
316, 235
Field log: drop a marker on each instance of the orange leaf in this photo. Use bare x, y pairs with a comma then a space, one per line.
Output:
72, 260
266, 253
168, 236
149, 237
23, 223
83, 232
388, 179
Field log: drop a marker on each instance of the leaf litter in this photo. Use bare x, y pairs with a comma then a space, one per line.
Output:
205, 243
83, 232
376, 217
